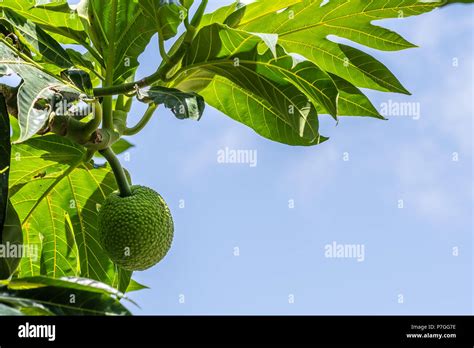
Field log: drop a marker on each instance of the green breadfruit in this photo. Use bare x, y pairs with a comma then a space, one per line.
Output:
136, 231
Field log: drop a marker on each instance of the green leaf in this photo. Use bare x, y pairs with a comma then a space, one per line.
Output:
15, 129
56, 301
42, 158
11, 241
450, 2
166, 15
10, 227
73, 283
135, 286
122, 278
186, 3
219, 15
120, 36
263, 117
183, 105
253, 12
57, 198
78, 78
86, 63
5, 149
36, 39
37, 94
352, 102
237, 13
24, 306
121, 146
67, 296
58, 18
275, 96
304, 29
36, 311
118, 147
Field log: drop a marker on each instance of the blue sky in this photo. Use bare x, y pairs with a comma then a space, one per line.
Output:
349, 190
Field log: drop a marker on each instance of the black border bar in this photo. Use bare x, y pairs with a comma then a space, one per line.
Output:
288, 330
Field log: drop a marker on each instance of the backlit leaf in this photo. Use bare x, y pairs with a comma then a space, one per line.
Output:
57, 196
37, 94
119, 35
36, 39
272, 95
49, 296
166, 15
304, 29
57, 17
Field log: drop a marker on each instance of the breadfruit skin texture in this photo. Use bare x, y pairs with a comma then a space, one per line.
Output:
136, 231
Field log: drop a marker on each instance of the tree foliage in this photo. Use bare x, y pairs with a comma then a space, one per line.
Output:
270, 65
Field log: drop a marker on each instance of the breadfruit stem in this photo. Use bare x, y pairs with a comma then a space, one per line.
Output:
119, 173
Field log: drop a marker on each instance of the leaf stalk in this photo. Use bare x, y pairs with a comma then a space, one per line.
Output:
143, 121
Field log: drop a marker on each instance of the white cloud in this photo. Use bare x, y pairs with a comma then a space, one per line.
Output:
431, 28
455, 118
204, 155
311, 171
423, 168
449, 97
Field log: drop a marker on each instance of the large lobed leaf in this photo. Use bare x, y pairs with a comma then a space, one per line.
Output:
267, 91
304, 29
57, 197
330, 75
